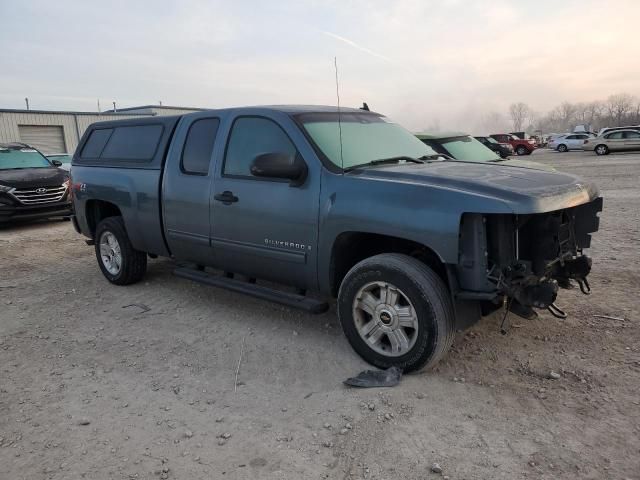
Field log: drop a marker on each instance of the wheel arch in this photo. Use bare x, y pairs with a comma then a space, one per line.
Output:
98, 210
351, 247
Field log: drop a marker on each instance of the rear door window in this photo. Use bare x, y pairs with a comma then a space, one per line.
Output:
198, 147
631, 134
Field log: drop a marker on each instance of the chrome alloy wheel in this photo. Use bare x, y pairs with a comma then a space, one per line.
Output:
110, 253
385, 319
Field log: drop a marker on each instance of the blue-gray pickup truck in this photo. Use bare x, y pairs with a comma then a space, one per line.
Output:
298, 204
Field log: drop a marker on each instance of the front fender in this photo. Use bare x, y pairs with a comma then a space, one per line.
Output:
426, 215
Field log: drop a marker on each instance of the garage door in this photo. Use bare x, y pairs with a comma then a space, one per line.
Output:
48, 139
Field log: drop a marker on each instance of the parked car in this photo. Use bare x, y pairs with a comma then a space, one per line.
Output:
503, 149
571, 141
65, 158
464, 147
31, 186
616, 129
520, 146
613, 141
413, 245
458, 145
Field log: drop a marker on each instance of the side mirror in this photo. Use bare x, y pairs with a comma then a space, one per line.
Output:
280, 165
56, 163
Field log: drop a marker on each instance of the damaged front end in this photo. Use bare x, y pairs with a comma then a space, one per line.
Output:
524, 259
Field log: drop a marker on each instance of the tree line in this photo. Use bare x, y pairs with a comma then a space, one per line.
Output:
617, 110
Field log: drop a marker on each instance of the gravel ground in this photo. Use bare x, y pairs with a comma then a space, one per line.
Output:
99, 381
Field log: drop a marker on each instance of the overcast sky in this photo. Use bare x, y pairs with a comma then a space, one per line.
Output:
424, 63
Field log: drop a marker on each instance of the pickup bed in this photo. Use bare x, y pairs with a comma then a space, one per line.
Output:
339, 202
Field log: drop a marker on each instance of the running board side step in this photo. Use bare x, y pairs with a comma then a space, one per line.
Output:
258, 291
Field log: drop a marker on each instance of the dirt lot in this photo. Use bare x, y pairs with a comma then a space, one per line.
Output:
94, 386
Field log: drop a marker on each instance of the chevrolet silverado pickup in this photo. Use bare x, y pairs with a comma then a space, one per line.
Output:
299, 204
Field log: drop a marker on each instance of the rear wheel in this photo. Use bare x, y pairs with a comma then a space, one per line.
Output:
395, 311
602, 150
522, 150
562, 148
120, 263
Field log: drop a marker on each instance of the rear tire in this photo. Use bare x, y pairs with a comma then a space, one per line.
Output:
396, 311
602, 150
522, 150
562, 148
119, 262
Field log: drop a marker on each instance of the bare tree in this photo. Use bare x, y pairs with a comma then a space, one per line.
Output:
519, 112
593, 111
636, 113
494, 122
619, 106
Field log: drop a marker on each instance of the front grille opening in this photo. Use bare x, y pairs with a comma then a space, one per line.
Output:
38, 196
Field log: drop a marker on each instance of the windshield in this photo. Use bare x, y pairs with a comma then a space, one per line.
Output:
12, 158
365, 137
468, 149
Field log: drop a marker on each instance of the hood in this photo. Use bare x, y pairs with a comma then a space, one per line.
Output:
524, 190
33, 177
512, 162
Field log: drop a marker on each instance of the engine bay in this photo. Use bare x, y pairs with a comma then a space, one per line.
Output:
523, 260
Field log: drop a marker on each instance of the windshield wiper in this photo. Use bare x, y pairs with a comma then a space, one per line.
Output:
383, 161
436, 156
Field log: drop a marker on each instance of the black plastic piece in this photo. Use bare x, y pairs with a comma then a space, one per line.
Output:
557, 311
376, 378
293, 300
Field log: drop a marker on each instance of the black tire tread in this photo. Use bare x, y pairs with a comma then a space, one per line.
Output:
428, 282
134, 262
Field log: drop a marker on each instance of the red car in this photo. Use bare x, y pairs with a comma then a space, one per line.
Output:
521, 147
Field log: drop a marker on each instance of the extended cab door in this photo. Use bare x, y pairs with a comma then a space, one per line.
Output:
264, 227
187, 188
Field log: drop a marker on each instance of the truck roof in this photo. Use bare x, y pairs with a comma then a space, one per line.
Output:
288, 109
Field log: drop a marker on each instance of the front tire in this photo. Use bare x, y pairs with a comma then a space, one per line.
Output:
396, 311
522, 150
602, 150
119, 262
562, 148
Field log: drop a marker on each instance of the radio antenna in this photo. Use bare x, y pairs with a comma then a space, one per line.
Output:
335, 64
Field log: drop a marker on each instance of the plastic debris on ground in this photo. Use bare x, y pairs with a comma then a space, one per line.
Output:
376, 378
